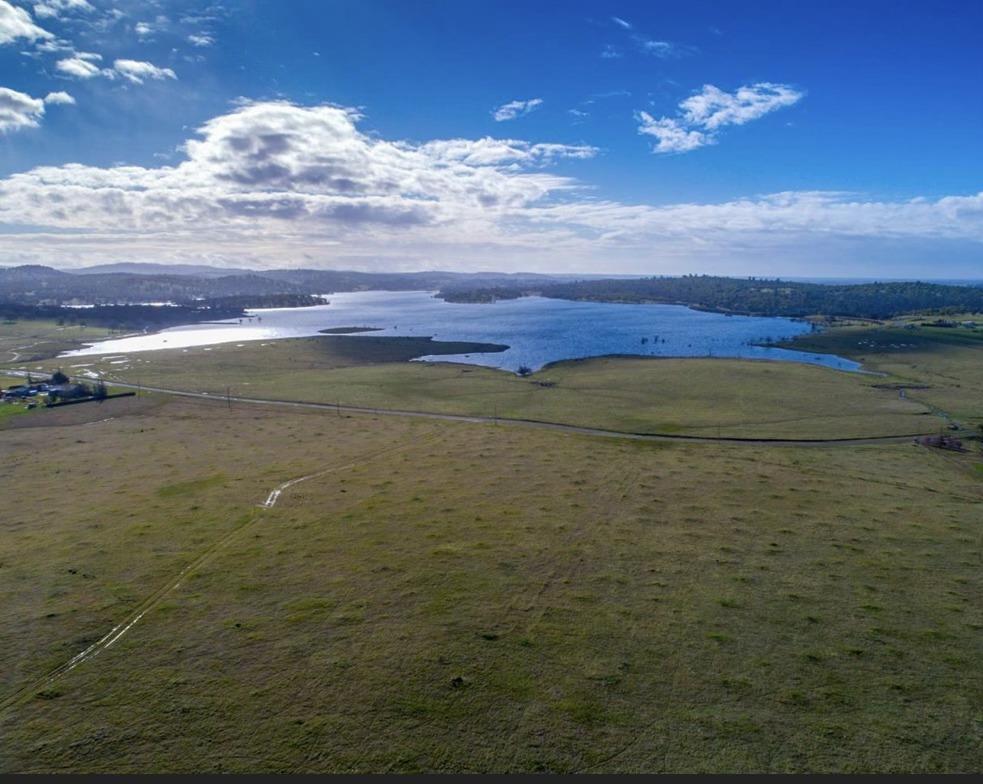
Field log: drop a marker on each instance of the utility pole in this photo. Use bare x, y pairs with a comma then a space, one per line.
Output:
228, 397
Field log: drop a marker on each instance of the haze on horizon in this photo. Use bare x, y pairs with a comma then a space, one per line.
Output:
639, 138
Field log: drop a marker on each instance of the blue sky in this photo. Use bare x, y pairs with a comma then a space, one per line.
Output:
741, 138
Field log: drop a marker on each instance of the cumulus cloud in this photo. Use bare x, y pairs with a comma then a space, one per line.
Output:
200, 39
702, 115
137, 71
59, 97
81, 65
513, 109
16, 23
273, 182
279, 161
19, 110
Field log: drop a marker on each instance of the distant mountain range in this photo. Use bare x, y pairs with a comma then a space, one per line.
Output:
147, 268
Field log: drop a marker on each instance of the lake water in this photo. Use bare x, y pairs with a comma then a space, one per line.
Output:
536, 329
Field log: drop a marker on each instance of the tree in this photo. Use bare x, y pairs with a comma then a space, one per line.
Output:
524, 370
58, 377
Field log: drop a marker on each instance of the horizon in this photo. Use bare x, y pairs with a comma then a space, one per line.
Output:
829, 280
637, 140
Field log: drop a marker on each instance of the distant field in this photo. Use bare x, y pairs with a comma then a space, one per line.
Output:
487, 599
27, 341
686, 396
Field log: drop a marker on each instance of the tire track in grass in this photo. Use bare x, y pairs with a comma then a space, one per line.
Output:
111, 637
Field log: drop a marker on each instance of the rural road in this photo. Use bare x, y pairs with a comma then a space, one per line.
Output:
533, 423
217, 397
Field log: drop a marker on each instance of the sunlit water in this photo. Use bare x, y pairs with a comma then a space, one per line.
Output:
537, 330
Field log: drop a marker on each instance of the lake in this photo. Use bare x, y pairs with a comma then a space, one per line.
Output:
537, 330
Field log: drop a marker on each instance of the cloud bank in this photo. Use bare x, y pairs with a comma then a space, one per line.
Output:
278, 184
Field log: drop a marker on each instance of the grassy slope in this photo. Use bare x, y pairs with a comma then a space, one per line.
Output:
114, 491
606, 605
693, 396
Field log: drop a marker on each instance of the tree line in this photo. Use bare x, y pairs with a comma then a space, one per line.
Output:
754, 296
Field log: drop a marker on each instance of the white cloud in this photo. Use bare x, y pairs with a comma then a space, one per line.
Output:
59, 97
496, 152
712, 108
137, 71
56, 8
275, 183
52, 46
796, 214
513, 109
81, 65
611, 52
145, 29
19, 110
664, 50
702, 115
17, 23
203, 39
621, 22
267, 161
672, 136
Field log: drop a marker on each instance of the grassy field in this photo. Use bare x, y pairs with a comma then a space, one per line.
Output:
943, 366
10, 410
486, 599
686, 396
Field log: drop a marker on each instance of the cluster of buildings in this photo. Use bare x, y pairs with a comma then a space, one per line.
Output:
47, 391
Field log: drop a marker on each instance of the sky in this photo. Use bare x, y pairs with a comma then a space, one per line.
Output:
742, 138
